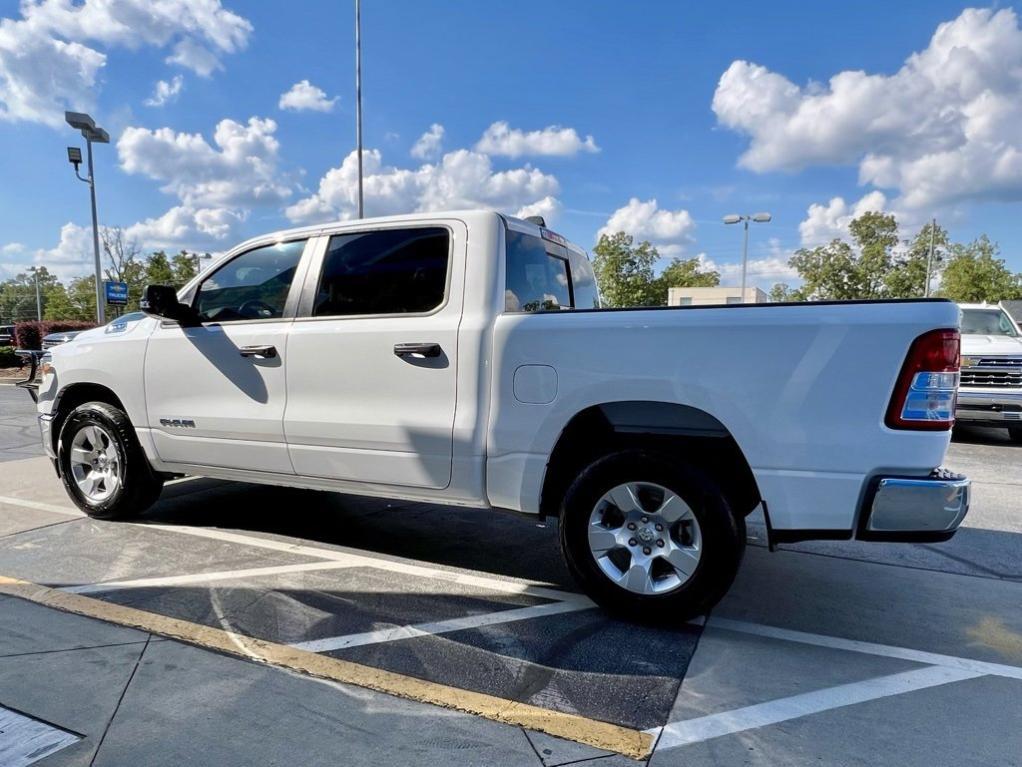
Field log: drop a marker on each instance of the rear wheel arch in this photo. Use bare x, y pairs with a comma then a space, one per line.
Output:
690, 434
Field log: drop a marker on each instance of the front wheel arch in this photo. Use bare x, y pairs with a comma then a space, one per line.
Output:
73, 395
137, 485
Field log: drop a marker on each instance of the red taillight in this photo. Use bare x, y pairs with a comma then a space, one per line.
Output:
924, 397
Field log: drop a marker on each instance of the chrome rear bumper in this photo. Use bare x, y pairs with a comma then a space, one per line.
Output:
916, 508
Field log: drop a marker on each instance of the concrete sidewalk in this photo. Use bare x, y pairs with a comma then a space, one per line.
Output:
137, 699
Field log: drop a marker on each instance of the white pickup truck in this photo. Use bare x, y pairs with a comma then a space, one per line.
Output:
991, 378
462, 358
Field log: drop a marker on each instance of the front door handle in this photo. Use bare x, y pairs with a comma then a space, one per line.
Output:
419, 350
259, 352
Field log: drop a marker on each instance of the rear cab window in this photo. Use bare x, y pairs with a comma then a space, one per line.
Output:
543, 275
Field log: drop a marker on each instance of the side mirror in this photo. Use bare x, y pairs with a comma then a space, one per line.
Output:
161, 301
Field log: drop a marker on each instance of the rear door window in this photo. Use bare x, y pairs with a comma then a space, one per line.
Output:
389, 271
538, 276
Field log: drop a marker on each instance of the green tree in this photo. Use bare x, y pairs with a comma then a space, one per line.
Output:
907, 276
842, 271
184, 267
81, 297
688, 273
875, 236
974, 273
158, 270
18, 294
782, 292
828, 272
625, 272
58, 305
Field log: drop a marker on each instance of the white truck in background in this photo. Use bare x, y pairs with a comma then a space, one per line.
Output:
990, 393
462, 358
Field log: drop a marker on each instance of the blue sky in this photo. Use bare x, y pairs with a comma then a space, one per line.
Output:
809, 111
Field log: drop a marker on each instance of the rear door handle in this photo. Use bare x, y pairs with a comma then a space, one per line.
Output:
259, 352
426, 349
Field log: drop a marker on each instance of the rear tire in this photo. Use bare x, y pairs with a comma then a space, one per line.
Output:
680, 531
1015, 434
102, 465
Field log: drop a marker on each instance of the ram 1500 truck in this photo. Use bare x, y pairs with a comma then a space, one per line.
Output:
463, 358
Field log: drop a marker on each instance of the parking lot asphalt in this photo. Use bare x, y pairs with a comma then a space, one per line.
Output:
243, 625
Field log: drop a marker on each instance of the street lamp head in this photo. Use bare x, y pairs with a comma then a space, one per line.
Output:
80, 121
98, 136
734, 218
761, 218
74, 156
85, 123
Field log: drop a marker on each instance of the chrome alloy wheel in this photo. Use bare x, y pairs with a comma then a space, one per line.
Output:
645, 538
95, 464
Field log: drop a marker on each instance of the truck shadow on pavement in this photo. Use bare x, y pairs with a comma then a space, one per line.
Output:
476, 539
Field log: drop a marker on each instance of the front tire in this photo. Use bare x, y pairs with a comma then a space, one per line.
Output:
649, 537
102, 465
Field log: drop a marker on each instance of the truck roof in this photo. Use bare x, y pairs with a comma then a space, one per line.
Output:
467, 214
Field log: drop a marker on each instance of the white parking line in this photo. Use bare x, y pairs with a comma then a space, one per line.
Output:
38, 506
869, 648
181, 580
490, 583
783, 709
439, 627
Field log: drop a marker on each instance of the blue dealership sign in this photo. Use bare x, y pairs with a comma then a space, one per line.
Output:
116, 293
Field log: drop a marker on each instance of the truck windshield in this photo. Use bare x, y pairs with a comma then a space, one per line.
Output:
987, 322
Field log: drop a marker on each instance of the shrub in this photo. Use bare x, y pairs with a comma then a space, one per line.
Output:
8, 359
29, 335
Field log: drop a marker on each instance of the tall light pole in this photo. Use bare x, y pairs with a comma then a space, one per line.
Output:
38, 297
929, 259
735, 218
358, 101
93, 135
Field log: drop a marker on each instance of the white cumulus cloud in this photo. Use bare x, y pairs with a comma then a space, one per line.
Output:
669, 230
761, 272
824, 223
72, 256
943, 128
165, 91
306, 97
460, 179
549, 207
238, 169
501, 139
184, 227
429, 144
50, 58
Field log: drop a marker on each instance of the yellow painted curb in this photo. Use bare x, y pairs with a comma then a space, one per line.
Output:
610, 737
